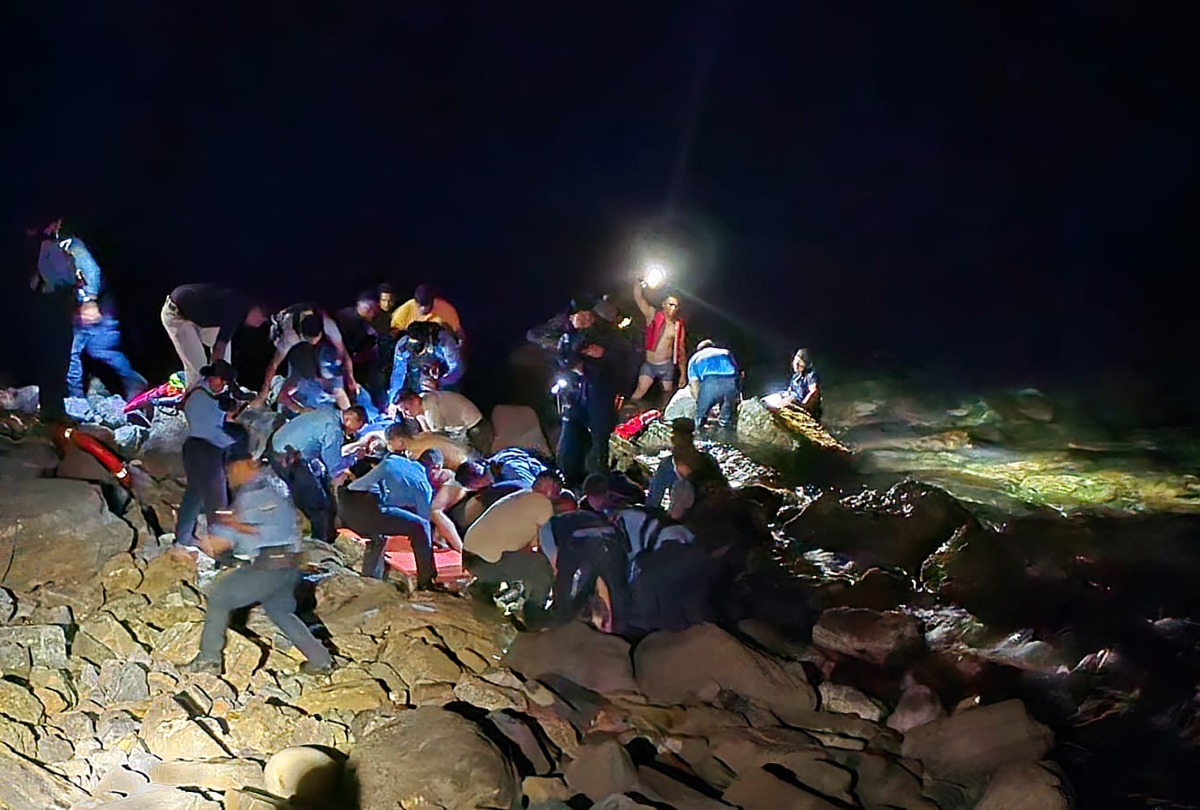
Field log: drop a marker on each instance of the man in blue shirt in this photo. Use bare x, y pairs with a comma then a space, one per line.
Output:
715, 379
307, 454
262, 536
54, 304
206, 407
395, 498
97, 332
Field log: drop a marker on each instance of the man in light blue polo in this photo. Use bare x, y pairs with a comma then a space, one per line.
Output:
715, 379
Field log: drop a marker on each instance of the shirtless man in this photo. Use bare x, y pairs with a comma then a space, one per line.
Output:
666, 357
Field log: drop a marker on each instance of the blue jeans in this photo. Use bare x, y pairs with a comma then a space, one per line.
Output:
661, 482
361, 513
717, 390
101, 341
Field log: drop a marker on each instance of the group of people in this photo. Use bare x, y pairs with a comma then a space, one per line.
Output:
363, 432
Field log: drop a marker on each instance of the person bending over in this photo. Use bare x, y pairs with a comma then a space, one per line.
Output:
447, 412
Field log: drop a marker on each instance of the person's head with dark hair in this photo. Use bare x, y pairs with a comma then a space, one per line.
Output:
683, 432
354, 419
366, 304
597, 493
397, 436
801, 361
410, 404
474, 475
424, 295
432, 458
565, 502
311, 327
548, 482
385, 294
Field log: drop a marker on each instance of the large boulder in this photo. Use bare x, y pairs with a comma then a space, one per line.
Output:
24, 783
429, 757
578, 653
1039, 786
901, 526
880, 638
979, 742
56, 531
698, 664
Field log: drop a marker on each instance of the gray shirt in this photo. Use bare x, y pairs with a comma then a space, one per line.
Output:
265, 506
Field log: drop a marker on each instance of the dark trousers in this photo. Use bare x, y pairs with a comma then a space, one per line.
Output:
312, 493
717, 390
275, 590
101, 342
361, 513
528, 567
583, 442
207, 490
581, 564
55, 313
672, 589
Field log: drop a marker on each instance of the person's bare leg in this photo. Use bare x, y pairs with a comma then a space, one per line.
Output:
445, 527
668, 388
643, 386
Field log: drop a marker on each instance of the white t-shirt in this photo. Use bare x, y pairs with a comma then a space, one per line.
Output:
289, 338
448, 412
509, 524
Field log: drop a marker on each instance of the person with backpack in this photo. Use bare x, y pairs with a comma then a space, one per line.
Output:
297, 331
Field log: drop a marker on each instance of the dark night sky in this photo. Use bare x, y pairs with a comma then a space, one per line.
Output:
1004, 190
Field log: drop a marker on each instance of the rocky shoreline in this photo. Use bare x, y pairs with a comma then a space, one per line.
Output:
913, 655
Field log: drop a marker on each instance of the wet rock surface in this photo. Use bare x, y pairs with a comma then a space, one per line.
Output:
939, 658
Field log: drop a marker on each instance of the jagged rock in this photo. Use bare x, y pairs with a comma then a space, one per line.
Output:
165, 572
843, 699
69, 517
18, 737
519, 731
242, 659
254, 800
260, 727
15, 659
353, 696
418, 662
448, 762
161, 797
304, 773
663, 789
431, 694
978, 742
8, 605
124, 681
577, 652
478, 692
1027, 787
26, 784
757, 789
120, 780
545, 789
696, 664
600, 768
917, 706
74, 725
121, 573
617, 801
45, 646
114, 725
52, 748
179, 643
216, 774
183, 739
882, 781
101, 637
19, 703
745, 751
880, 638
876, 589
130, 438
899, 527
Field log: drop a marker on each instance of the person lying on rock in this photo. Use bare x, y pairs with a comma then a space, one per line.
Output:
261, 533
442, 480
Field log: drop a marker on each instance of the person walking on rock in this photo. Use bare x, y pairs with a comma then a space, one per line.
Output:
262, 535
55, 285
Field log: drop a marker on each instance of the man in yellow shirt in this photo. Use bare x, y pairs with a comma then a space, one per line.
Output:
425, 305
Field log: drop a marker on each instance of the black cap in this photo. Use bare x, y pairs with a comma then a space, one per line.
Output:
220, 368
682, 424
582, 303
424, 296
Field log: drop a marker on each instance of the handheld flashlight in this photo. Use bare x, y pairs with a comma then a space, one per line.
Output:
656, 274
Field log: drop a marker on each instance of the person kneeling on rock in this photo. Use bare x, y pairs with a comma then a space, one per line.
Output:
263, 536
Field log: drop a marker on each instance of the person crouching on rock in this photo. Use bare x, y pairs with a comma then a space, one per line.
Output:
804, 390
262, 534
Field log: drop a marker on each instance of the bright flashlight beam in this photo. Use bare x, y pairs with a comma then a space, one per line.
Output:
656, 274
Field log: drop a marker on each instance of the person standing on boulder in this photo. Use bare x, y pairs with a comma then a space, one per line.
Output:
97, 332
666, 354
197, 316
206, 407
55, 285
263, 537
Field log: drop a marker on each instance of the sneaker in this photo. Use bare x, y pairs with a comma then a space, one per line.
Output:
200, 665
309, 668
